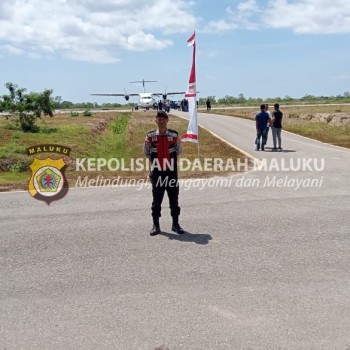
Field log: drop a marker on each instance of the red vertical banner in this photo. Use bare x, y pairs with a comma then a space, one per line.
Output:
192, 130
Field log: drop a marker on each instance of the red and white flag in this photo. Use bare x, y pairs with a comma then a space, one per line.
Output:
192, 130
191, 40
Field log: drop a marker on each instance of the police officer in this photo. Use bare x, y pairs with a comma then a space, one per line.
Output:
162, 146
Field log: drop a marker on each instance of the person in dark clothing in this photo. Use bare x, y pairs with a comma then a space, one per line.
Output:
268, 124
162, 146
276, 128
185, 105
262, 118
208, 105
160, 105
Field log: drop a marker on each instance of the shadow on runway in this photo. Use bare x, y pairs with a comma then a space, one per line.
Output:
286, 151
198, 238
270, 149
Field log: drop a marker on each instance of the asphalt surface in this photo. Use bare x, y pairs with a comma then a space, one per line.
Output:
264, 265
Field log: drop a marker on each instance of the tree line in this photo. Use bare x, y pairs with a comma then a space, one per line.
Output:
225, 101
250, 101
25, 108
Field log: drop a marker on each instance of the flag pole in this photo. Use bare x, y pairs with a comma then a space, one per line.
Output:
192, 130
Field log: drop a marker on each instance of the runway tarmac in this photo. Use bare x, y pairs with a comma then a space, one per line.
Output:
264, 265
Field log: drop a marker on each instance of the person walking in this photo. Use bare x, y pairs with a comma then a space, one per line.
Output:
261, 121
162, 146
276, 127
208, 103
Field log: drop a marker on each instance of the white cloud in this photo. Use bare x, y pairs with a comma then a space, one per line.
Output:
218, 26
301, 16
249, 5
239, 17
90, 30
212, 54
310, 16
341, 77
12, 50
99, 31
141, 41
247, 14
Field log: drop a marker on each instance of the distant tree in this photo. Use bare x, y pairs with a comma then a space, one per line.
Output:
26, 108
201, 101
227, 100
57, 102
84, 105
241, 98
66, 105
211, 99
111, 105
308, 97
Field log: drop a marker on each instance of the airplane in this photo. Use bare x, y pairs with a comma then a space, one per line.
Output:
147, 99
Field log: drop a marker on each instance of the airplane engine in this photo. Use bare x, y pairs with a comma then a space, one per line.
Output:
164, 96
127, 97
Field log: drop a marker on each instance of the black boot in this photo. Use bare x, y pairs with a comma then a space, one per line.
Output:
155, 230
176, 226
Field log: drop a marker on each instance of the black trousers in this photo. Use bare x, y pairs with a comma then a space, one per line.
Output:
165, 181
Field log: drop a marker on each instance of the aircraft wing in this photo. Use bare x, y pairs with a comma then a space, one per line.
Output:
114, 94
169, 93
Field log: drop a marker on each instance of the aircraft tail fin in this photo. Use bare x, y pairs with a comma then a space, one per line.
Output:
143, 81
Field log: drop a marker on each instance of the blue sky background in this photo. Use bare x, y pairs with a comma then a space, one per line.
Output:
258, 48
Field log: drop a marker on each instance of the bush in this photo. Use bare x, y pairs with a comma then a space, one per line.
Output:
87, 113
27, 123
18, 167
119, 126
293, 115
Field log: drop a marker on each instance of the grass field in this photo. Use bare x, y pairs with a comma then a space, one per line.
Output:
119, 135
103, 135
326, 123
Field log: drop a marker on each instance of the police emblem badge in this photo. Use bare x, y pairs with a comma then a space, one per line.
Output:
48, 182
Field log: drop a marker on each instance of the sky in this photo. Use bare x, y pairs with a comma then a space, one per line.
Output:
257, 48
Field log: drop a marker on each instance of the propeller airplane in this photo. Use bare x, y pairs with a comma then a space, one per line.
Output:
146, 99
